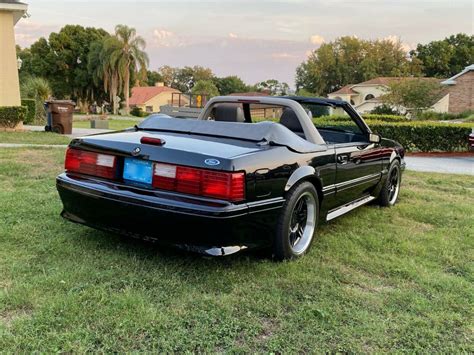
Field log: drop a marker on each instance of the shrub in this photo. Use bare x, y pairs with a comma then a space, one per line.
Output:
30, 104
138, 112
368, 117
417, 135
443, 116
10, 116
385, 118
384, 109
38, 89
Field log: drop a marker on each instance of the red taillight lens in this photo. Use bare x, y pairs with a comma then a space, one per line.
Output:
215, 184
188, 180
90, 163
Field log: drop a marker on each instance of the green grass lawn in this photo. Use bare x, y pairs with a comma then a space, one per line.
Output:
33, 138
376, 280
113, 124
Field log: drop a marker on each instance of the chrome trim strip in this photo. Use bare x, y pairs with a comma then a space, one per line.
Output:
349, 207
350, 183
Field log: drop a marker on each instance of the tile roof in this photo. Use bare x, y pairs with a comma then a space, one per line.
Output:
143, 94
345, 90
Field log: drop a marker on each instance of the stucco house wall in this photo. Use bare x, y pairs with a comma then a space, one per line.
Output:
442, 105
153, 105
9, 83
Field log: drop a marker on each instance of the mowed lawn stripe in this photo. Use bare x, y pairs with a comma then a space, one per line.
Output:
397, 279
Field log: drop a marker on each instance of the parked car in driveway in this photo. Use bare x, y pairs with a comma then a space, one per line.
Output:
249, 172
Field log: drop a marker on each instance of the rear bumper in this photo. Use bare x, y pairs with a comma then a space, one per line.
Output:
194, 223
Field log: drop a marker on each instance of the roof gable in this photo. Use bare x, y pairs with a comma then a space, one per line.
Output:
452, 80
143, 94
345, 90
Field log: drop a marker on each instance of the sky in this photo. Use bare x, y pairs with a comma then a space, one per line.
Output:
256, 40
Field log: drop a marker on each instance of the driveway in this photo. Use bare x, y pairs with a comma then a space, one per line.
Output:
448, 165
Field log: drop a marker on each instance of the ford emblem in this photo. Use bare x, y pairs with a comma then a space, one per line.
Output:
212, 162
136, 151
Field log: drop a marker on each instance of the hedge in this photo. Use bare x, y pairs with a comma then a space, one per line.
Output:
10, 116
31, 114
418, 135
367, 117
445, 116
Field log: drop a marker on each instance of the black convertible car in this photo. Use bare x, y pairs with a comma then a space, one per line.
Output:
249, 172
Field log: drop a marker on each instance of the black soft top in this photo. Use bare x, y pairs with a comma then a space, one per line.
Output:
271, 132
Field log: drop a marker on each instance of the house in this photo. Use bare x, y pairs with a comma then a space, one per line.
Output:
461, 90
10, 13
365, 96
150, 98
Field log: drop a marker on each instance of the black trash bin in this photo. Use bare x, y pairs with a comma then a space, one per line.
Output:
59, 115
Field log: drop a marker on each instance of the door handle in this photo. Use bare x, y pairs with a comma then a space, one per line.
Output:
343, 159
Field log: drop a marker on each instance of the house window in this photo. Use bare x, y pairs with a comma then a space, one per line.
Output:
149, 109
369, 97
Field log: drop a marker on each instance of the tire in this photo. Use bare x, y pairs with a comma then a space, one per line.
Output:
391, 187
301, 206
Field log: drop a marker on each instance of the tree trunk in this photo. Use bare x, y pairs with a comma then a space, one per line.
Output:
127, 90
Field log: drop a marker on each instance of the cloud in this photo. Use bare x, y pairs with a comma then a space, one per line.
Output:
253, 59
285, 55
27, 32
395, 39
165, 38
316, 39
233, 35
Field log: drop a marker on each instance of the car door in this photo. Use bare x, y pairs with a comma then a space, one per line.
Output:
358, 170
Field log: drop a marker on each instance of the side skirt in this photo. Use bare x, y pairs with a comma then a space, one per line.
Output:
348, 207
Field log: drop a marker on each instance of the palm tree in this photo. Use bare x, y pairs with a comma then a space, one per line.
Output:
103, 70
38, 89
126, 55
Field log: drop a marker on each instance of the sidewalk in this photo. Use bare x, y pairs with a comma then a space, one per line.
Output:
76, 132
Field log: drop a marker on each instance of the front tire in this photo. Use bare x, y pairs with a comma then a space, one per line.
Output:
391, 188
297, 222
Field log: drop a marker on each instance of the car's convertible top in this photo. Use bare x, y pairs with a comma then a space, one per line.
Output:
271, 132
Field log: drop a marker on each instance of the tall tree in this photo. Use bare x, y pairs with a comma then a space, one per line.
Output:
104, 72
351, 60
447, 57
205, 87
62, 60
274, 87
153, 77
413, 94
230, 84
169, 74
187, 77
126, 54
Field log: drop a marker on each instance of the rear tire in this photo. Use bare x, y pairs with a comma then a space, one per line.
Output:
297, 222
391, 188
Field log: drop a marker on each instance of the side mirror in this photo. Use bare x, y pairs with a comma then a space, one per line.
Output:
374, 138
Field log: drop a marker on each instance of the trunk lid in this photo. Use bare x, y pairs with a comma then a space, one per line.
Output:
179, 148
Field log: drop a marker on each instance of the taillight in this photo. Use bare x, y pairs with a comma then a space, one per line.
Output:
90, 163
223, 185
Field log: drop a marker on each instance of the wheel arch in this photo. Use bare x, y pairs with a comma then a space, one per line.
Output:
305, 173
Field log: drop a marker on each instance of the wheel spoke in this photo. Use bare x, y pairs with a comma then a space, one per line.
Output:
302, 223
